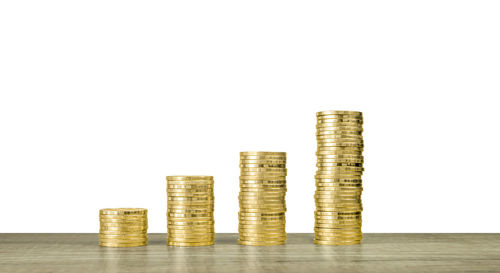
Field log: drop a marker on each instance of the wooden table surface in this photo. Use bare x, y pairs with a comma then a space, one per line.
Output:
378, 253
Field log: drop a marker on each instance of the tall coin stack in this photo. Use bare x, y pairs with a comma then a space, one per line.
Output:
123, 227
190, 210
262, 198
338, 178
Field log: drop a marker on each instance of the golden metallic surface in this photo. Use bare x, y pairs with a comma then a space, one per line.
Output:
339, 136
264, 243
123, 211
282, 154
190, 210
190, 244
262, 195
189, 177
123, 227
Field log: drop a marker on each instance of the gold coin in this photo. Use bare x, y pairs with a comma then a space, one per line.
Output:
123, 211
354, 149
123, 233
339, 138
263, 214
128, 226
338, 218
189, 222
340, 119
189, 211
339, 180
204, 190
175, 196
112, 225
339, 112
122, 243
262, 224
191, 240
271, 231
189, 215
342, 162
262, 218
191, 205
190, 229
189, 187
262, 237
170, 200
338, 191
190, 182
190, 198
262, 185
339, 127
263, 161
250, 243
196, 237
338, 235
263, 180
337, 200
342, 213
262, 166
282, 154
123, 236
190, 177
263, 169
338, 176
340, 170
337, 208
123, 239
123, 221
336, 165
256, 194
265, 208
190, 244
259, 210
263, 174
272, 197
340, 230
350, 222
336, 225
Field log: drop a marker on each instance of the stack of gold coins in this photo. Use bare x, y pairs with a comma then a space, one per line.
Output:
338, 178
190, 210
262, 198
123, 227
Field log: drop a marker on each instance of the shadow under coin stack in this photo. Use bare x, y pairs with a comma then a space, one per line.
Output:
190, 210
338, 178
262, 198
123, 227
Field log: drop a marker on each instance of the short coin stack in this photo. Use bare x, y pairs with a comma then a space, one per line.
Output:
123, 227
262, 198
338, 178
190, 210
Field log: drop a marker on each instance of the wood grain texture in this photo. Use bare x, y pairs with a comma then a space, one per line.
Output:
378, 253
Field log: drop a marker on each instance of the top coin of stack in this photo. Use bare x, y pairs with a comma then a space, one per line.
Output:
190, 210
262, 198
123, 227
338, 178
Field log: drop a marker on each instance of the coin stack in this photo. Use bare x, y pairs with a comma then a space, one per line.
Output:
338, 178
190, 210
123, 227
262, 198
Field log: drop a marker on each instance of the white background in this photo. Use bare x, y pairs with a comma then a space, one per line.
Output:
100, 100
